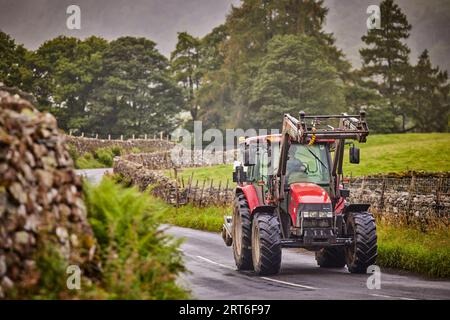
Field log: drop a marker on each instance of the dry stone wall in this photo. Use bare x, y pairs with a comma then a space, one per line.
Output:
180, 159
173, 191
83, 145
410, 199
41, 202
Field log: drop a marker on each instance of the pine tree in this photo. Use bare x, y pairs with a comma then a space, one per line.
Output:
429, 96
386, 57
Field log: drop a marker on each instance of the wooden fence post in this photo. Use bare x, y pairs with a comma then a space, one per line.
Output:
177, 194
201, 194
226, 193
218, 192
195, 192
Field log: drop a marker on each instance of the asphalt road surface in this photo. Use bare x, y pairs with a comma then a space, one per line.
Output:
212, 273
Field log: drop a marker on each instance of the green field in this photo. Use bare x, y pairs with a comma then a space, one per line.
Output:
402, 152
381, 154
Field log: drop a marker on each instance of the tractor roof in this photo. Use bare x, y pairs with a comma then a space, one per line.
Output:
276, 138
263, 139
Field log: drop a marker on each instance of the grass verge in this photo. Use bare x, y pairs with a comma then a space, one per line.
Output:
413, 250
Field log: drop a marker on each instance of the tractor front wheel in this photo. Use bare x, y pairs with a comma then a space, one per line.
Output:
266, 244
242, 234
363, 251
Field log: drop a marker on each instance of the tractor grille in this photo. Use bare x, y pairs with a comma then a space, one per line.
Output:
317, 223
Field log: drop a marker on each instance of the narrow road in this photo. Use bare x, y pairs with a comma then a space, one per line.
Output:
212, 273
94, 176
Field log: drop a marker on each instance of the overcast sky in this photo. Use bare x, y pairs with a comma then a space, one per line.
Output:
31, 22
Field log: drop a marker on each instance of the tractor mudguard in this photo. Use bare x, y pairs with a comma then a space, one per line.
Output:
250, 194
356, 207
264, 208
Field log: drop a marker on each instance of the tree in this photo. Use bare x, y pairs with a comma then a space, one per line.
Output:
67, 71
138, 95
228, 92
45, 62
379, 114
185, 64
294, 75
76, 81
385, 61
429, 96
15, 70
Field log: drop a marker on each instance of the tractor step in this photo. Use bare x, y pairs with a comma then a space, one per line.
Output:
226, 231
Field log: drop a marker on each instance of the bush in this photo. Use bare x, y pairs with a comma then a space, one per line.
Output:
73, 152
87, 161
105, 156
139, 261
117, 151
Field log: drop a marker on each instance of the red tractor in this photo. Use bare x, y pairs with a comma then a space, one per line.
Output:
290, 194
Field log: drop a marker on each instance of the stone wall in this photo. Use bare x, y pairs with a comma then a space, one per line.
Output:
410, 199
83, 145
180, 159
40, 197
171, 190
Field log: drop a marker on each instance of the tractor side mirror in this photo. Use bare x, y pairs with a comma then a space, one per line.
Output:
354, 154
239, 175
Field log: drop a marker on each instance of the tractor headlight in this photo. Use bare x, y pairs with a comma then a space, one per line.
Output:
326, 214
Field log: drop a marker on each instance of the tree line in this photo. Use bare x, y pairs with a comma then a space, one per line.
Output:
268, 58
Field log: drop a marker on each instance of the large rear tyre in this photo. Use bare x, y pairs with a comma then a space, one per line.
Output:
363, 251
333, 257
242, 234
266, 244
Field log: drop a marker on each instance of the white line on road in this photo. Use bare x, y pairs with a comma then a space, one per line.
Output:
216, 263
289, 283
265, 278
386, 296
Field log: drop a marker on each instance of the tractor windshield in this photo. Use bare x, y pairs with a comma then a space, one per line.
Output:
307, 164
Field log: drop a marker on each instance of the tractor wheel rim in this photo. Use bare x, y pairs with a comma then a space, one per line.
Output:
352, 248
238, 234
256, 245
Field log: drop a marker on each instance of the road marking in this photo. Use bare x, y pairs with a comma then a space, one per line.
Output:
216, 263
265, 278
386, 296
289, 283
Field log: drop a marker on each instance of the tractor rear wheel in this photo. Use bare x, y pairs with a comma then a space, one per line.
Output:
363, 251
266, 244
242, 234
333, 257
